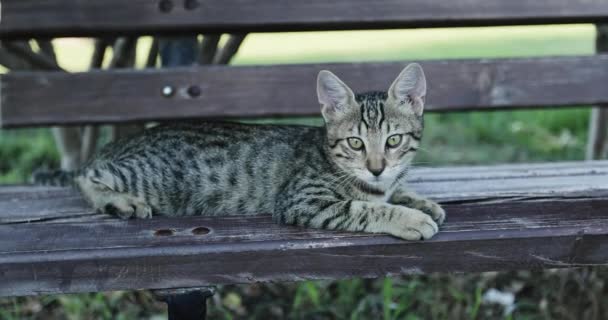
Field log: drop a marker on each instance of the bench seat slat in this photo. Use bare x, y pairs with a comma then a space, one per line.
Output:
539, 218
45, 98
98, 17
19, 204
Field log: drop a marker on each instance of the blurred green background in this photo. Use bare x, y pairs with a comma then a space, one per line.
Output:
450, 139
460, 138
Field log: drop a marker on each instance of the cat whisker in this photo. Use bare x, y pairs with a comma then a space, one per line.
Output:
343, 180
430, 152
338, 181
348, 179
418, 163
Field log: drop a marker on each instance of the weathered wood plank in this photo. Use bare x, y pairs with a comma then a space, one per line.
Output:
289, 90
116, 255
95, 17
501, 217
21, 204
467, 217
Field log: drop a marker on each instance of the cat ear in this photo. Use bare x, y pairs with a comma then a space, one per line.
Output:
334, 95
410, 88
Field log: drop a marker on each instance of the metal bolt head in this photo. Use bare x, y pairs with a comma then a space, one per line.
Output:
168, 91
165, 5
191, 4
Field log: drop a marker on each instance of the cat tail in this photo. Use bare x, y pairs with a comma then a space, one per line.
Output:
55, 178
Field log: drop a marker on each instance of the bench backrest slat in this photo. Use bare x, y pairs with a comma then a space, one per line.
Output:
43, 98
95, 17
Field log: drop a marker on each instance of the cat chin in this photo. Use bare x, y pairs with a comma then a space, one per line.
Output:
381, 184
371, 182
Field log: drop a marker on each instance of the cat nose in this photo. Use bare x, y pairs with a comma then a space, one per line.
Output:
376, 165
376, 171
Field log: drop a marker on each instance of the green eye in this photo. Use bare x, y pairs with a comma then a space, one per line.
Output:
355, 143
393, 140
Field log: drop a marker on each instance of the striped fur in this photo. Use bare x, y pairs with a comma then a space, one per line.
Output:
307, 176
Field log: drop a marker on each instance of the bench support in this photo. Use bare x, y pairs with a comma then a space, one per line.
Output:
597, 144
187, 303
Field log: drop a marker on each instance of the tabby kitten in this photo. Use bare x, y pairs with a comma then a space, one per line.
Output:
348, 175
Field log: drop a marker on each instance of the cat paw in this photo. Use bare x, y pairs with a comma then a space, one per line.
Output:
125, 210
143, 211
434, 210
120, 212
415, 225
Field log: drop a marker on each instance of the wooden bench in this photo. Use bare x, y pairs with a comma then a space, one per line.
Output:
500, 217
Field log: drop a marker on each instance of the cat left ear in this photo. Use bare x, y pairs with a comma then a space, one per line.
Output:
410, 88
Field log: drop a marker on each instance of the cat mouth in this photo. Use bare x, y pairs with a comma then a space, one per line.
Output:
375, 182
373, 188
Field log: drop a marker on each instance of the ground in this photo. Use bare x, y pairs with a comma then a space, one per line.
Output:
450, 139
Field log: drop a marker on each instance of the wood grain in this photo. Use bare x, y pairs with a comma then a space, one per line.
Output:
97, 17
45, 98
561, 180
503, 217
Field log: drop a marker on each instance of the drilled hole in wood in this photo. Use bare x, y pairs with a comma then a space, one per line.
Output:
165, 5
194, 91
164, 232
199, 231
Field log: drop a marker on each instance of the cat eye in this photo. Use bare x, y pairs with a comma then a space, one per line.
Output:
355, 143
394, 140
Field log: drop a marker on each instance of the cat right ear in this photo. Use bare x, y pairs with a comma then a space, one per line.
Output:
334, 95
410, 88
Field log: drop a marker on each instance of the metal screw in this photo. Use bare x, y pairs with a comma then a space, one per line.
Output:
168, 91
191, 4
165, 5
194, 91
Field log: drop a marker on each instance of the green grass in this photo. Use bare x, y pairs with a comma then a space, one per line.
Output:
450, 139
22, 151
564, 294
421, 44
381, 45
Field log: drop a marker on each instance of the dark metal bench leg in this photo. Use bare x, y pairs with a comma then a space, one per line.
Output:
186, 304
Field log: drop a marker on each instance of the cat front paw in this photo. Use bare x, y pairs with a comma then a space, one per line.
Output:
434, 210
415, 225
127, 210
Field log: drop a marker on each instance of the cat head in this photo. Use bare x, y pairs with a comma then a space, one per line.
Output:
374, 136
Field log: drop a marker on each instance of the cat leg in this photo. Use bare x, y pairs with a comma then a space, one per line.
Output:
412, 200
353, 215
96, 188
